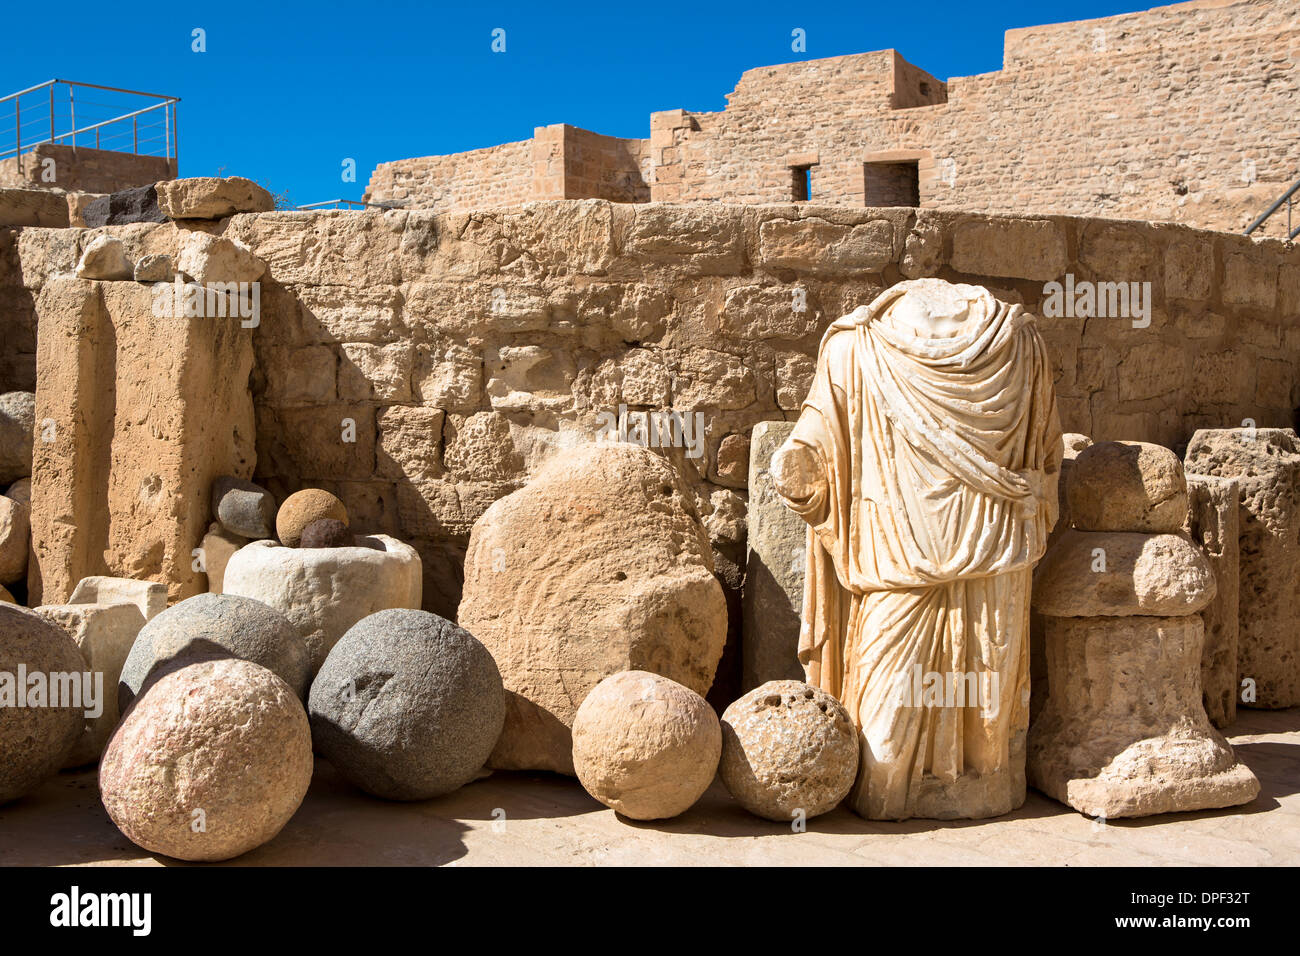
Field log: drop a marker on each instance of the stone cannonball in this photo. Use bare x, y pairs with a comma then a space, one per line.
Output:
209, 764
217, 625
1127, 486
302, 508
645, 746
788, 747
326, 533
243, 508
407, 706
36, 737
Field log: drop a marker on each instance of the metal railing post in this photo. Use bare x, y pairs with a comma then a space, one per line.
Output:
135, 134
72, 115
18, 134
51, 114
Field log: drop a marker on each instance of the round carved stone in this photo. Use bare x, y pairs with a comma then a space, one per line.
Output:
209, 764
216, 625
243, 508
36, 737
324, 591
1127, 486
326, 533
645, 746
407, 705
302, 508
788, 747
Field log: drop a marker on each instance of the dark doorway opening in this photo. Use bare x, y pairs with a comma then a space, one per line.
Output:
892, 184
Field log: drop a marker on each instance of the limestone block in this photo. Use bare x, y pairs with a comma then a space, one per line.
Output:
600, 564
1214, 524
219, 546
1015, 248
149, 597
206, 258
1119, 573
1266, 464
154, 268
33, 207
104, 633
772, 596
208, 197
1128, 486
822, 248
15, 532
105, 258
324, 591
17, 424
122, 487
1123, 732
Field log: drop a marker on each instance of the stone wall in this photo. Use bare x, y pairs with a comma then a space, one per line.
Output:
82, 169
496, 176
559, 162
420, 365
1166, 115
1177, 114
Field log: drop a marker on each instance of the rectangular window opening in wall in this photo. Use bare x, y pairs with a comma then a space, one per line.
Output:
892, 184
801, 183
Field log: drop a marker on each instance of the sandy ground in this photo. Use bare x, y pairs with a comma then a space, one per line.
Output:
540, 819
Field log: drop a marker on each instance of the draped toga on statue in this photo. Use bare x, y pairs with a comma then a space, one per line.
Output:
931, 445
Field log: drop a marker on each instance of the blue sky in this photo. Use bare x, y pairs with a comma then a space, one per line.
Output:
286, 91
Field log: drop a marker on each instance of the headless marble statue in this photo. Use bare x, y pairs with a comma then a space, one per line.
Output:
925, 461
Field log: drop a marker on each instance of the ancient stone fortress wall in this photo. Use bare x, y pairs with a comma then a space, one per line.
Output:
421, 365
78, 168
559, 162
1181, 113
1173, 114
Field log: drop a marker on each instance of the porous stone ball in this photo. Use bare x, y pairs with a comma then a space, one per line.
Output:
788, 747
217, 625
326, 533
645, 746
243, 508
209, 764
35, 737
407, 705
17, 424
1127, 486
302, 508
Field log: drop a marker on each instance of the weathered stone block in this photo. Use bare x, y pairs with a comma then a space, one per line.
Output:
1214, 524
1014, 248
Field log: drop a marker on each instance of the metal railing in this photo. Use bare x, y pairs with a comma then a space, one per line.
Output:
348, 204
54, 113
1289, 198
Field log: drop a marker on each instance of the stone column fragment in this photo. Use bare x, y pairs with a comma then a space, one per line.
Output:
772, 596
1266, 464
1213, 524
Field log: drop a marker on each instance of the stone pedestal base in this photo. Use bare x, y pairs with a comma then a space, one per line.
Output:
1123, 732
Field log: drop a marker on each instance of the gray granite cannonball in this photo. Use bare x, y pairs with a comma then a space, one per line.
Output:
34, 740
243, 508
407, 705
216, 625
326, 533
788, 748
